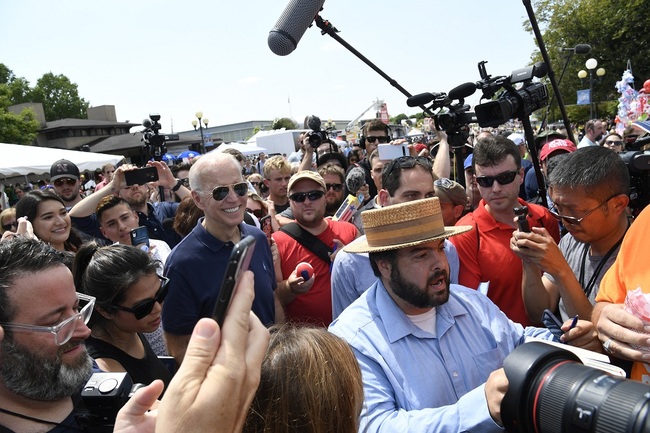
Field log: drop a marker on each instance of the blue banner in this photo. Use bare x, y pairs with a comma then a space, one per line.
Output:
584, 97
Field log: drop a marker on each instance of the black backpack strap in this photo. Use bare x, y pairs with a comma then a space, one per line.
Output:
309, 241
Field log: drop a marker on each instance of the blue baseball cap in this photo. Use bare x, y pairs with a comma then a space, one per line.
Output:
468, 162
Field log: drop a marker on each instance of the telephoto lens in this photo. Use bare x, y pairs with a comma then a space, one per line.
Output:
550, 391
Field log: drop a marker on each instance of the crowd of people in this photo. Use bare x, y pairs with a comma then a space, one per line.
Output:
406, 265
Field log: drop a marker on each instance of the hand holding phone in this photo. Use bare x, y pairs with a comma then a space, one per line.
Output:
522, 222
141, 176
140, 237
238, 262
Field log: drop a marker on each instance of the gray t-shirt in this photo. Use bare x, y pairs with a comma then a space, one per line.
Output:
573, 252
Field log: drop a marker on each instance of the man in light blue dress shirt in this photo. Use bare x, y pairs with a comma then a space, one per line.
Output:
430, 353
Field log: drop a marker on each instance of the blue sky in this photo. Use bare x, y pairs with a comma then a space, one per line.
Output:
176, 58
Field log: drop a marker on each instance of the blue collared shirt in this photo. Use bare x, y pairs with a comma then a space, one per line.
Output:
417, 381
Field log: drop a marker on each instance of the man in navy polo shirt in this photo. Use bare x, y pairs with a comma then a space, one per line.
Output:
196, 266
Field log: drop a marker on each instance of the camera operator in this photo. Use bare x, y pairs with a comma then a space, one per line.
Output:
43, 361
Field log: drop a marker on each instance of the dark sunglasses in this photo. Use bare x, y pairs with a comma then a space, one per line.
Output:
68, 181
407, 162
257, 212
300, 197
143, 309
221, 192
10, 226
254, 183
614, 142
335, 186
503, 179
381, 139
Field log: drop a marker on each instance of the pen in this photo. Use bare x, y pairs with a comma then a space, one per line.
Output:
574, 323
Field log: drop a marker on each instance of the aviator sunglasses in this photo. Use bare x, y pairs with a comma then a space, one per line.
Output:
504, 178
221, 192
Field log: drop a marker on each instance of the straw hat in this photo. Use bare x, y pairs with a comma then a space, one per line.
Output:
403, 225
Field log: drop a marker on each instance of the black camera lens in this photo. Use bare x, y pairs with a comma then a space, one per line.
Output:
549, 390
315, 140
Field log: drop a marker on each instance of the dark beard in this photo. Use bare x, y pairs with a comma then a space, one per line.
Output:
415, 295
34, 377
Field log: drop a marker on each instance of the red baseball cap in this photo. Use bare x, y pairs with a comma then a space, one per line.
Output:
557, 145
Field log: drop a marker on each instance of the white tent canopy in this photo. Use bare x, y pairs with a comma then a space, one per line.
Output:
18, 160
246, 149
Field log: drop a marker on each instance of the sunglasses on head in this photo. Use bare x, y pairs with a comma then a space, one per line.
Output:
407, 162
144, 308
10, 226
221, 192
67, 180
335, 186
504, 178
380, 138
300, 197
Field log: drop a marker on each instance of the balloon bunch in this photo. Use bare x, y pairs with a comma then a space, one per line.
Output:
632, 105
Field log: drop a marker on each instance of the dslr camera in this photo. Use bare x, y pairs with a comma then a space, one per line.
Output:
316, 136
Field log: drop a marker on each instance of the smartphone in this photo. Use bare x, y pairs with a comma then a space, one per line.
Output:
265, 225
552, 323
522, 222
141, 176
239, 260
140, 236
392, 151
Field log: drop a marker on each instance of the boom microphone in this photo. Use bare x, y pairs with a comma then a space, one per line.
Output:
579, 49
462, 91
355, 179
423, 98
292, 24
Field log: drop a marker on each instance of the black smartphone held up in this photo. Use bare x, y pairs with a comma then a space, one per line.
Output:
552, 323
522, 222
239, 260
140, 236
265, 225
141, 176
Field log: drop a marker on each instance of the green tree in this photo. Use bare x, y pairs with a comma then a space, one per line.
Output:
15, 128
60, 98
283, 122
616, 32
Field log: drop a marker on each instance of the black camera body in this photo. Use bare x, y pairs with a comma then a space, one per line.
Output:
154, 142
316, 136
638, 166
549, 390
103, 396
455, 122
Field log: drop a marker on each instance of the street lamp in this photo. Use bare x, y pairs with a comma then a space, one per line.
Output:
199, 115
591, 64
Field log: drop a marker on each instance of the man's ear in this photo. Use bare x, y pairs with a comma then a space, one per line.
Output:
620, 202
384, 198
458, 210
384, 267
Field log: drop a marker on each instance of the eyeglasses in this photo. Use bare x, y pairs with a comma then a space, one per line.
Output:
407, 162
221, 192
573, 221
143, 309
380, 138
67, 180
9, 226
300, 197
63, 331
335, 186
257, 212
504, 178
254, 183
614, 142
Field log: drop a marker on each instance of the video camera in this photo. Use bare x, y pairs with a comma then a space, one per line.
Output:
316, 136
154, 142
638, 165
103, 396
549, 390
512, 103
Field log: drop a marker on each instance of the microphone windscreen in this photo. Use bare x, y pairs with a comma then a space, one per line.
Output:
583, 49
540, 69
421, 99
292, 24
462, 91
355, 179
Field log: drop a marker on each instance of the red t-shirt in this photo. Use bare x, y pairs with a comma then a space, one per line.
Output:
315, 306
485, 255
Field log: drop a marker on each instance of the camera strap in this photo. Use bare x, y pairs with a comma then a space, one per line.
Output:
309, 241
592, 281
41, 421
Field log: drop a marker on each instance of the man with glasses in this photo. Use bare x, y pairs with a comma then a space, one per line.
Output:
196, 267
375, 132
589, 189
64, 176
309, 300
43, 361
401, 180
107, 176
484, 252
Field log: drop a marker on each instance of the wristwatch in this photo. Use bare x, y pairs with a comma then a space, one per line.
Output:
176, 187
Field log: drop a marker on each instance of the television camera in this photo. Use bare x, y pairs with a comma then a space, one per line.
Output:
154, 143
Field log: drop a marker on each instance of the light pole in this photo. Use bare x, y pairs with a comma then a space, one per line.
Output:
199, 115
591, 65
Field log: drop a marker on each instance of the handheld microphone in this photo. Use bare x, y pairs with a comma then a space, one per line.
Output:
292, 24
305, 270
423, 98
355, 179
462, 91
